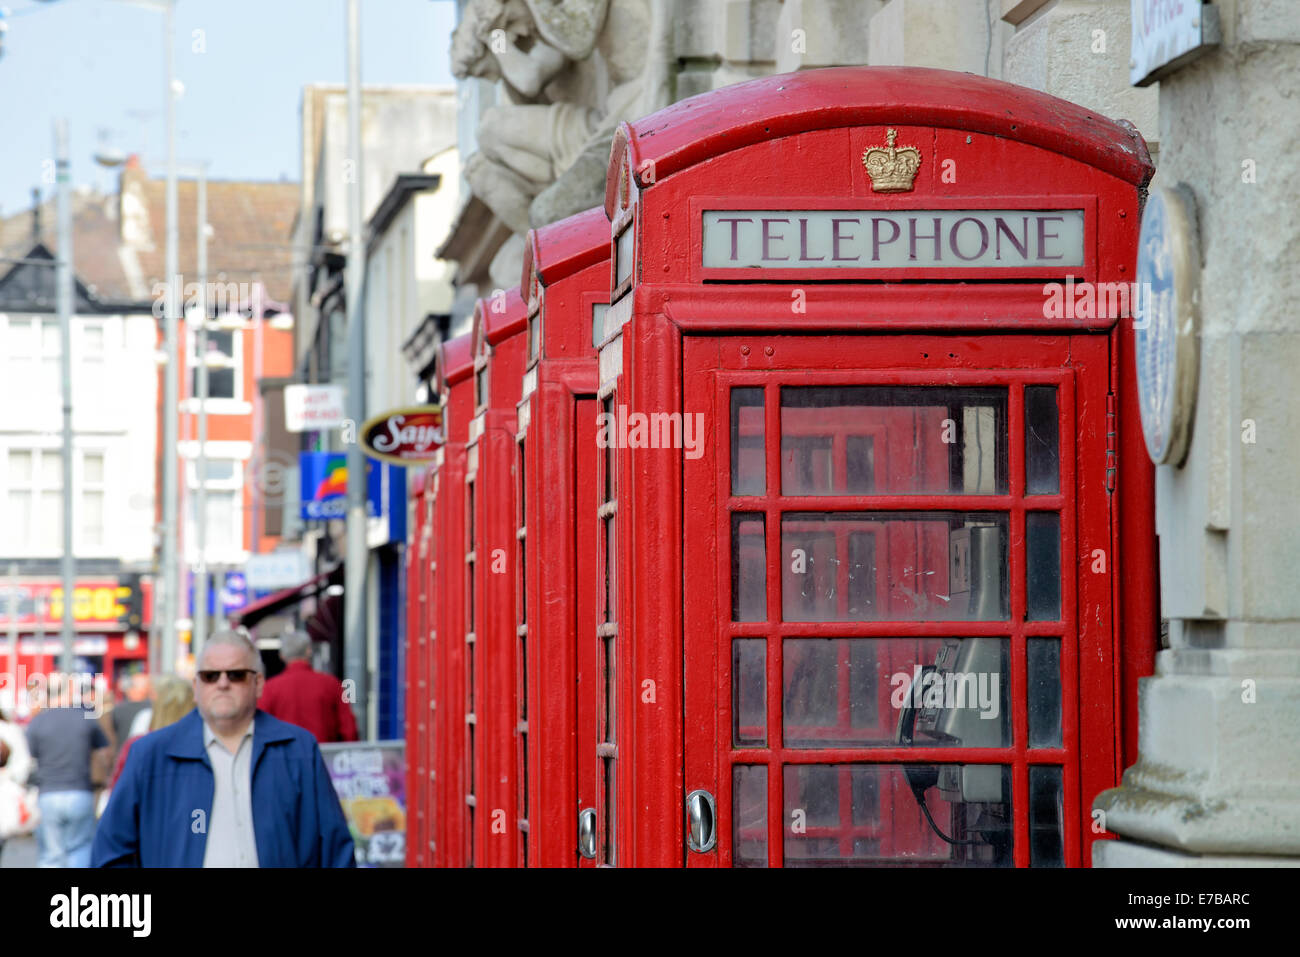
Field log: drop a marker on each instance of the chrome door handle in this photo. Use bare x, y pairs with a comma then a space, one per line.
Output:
701, 821
587, 833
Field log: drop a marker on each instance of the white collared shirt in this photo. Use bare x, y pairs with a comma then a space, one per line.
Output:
231, 841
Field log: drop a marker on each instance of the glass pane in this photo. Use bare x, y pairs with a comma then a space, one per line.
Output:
223, 518
846, 814
1043, 557
221, 384
220, 470
749, 815
1042, 441
894, 566
611, 691
1044, 665
1046, 817
21, 339
222, 343
92, 468
747, 442
20, 516
92, 336
611, 573
50, 520
918, 692
92, 518
51, 339
20, 467
860, 440
749, 692
748, 568
598, 322
51, 469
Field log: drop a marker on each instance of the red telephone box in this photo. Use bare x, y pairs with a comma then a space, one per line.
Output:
494, 714
443, 751
419, 640
876, 520
566, 280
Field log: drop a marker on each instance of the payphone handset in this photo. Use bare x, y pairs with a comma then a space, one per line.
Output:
944, 707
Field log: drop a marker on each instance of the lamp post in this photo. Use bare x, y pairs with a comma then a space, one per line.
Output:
64, 297
200, 633
171, 379
354, 597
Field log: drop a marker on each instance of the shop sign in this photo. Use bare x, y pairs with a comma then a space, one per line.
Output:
370, 780
409, 436
312, 407
1167, 34
324, 488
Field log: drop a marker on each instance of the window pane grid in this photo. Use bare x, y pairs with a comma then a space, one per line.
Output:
1016, 630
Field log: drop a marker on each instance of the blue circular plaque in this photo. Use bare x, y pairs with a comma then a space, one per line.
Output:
1166, 321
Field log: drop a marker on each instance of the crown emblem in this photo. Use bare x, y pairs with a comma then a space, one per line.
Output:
891, 169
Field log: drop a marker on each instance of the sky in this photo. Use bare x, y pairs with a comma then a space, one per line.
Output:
242, 63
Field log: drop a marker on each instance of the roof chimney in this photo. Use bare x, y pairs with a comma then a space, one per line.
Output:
36, 214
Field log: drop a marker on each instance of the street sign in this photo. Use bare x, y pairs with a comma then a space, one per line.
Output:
1167, 35
312, 407
274, 570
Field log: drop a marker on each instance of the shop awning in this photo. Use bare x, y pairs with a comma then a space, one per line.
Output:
252, 613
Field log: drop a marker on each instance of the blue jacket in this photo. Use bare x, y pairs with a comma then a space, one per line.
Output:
157, 815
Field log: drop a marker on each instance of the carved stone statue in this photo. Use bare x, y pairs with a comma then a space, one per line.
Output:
571, 70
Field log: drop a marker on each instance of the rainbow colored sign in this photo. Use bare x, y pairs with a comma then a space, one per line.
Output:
325, 485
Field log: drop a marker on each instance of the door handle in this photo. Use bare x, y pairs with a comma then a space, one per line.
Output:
701, 821
587, 833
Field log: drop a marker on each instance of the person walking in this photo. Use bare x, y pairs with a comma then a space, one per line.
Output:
65, 741
226, 786
125, 712
175, 699
306, 697
17, 809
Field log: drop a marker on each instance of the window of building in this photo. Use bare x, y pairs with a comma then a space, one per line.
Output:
91, 524
223, 509
224, 366
34, 486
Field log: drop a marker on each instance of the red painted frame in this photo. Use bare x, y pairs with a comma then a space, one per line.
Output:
1002, 361
500, 348
764, 136
565, 276
454, 383
419, 584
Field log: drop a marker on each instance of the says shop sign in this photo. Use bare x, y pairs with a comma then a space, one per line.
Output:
407, 436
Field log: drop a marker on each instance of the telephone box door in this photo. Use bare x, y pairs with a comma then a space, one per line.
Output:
898, 630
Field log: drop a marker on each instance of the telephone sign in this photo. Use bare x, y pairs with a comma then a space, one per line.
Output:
1007, 239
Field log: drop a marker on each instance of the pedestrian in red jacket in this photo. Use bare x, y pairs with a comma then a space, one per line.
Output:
308, 698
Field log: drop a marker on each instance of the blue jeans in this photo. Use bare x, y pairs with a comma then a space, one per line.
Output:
67, 828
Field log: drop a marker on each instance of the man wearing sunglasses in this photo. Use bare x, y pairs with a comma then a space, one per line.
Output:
227, 785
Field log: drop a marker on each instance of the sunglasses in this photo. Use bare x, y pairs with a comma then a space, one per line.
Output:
236, 675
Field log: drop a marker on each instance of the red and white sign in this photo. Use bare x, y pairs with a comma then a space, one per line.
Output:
408, 436
311, 407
